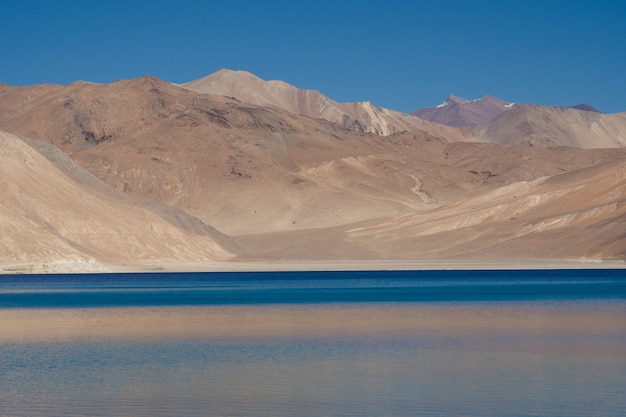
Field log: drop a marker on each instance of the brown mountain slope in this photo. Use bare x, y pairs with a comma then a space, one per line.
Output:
54, 213
579, 214
287, 186
248, 169
524, 213
224, 161
531, 125
361, 116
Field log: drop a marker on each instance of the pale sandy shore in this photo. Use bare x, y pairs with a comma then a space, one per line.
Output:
340, 265
376, 265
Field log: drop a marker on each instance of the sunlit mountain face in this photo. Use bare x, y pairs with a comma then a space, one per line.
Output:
147, 172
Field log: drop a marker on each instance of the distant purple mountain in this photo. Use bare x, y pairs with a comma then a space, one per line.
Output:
457, 111
585, 107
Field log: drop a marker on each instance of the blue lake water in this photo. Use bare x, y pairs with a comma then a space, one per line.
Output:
191, 289
376, 343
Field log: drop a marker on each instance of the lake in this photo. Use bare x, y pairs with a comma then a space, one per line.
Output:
367, 343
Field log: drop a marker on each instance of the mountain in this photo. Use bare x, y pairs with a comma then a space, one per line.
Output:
55, 216
456, 111
239, 167
249, 169
585, 107
574, 215
531, 125
360, 117
280, 186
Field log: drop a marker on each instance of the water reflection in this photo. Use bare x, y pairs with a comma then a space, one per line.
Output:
474, 359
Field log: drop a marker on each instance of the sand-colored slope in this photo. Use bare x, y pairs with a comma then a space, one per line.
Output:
531, 125
359, 116
477, 194
54, 213
579, 215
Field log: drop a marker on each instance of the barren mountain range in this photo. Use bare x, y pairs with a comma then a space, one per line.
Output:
457, 111
148, 173
360, 117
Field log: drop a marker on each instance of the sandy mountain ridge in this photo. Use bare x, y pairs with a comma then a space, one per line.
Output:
488, 119
290, 187
359, 116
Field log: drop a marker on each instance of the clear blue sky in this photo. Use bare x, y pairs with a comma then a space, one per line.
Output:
398, 54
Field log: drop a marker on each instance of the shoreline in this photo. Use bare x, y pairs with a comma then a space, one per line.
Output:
81, 267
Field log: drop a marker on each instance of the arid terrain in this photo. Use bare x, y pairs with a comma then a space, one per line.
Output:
233, 170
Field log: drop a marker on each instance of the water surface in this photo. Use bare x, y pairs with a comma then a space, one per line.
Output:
479, 343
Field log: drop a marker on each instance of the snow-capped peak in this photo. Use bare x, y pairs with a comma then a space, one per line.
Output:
452, 99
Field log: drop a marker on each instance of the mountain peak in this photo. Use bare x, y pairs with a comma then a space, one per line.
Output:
223, 76
358, 116
585, 107
452, 99
458, 111
229, 72
145, 81
455, 99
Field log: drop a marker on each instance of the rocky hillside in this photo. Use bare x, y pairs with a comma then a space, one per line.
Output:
56, 216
